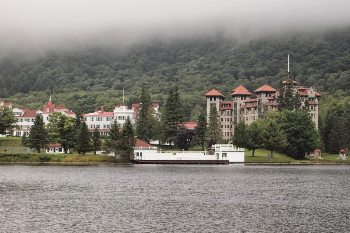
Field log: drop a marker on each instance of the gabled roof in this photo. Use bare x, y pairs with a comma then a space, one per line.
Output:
214, 92
265, 88
240, 90
141, 143
28, 113
189, 125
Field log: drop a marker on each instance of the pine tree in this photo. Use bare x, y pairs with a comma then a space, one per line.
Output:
144, 123
128, 139
38, 136
201, 130
96, 141
114, 139
288, 98
83, 139
172, 115
214, 133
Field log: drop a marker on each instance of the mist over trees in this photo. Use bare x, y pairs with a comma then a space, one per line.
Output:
78, 78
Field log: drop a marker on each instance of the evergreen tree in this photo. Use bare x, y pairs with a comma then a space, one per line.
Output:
113, 142
144, 124
301, 133
38, 136
7, 121
127, 139
172, 115
254, 136
201, 130
335, 127
83, 139
240, 137
288, 98
214, 133
96, 141
273, 136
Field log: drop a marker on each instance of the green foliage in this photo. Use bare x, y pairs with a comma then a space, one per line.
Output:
240, 137
302, 136
288, 99
38, 136
273, 135
201, 130
61, 129
255, 136
144, 124
83, 139
96, 141
319, 59
127, 139
335, 122
214, 133
113, 142
172, 116
183, 139
7, 121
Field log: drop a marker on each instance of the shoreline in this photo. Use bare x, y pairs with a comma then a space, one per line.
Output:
120, 163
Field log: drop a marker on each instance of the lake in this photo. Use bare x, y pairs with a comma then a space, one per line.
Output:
172, 198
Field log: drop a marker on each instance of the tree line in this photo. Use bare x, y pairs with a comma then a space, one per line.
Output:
74, 134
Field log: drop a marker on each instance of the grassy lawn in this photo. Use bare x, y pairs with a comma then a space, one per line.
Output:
11, 141
68, 158
260, 157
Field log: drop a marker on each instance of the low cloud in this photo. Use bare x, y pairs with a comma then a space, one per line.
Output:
33, 27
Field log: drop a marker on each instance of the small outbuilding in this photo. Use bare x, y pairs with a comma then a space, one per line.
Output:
55, 148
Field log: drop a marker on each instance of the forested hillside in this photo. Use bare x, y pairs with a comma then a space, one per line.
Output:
87, 79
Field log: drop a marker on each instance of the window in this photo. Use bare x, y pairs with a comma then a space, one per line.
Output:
224, 155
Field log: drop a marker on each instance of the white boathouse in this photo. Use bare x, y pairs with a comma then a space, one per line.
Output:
219, 153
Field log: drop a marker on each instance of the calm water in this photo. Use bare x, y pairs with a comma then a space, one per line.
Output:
159, 198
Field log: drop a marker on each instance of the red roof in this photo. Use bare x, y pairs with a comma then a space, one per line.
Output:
54, 145
49, 107
303, 93
141, 143
241, 90
28, 113
189, 125
214, 92
265, 88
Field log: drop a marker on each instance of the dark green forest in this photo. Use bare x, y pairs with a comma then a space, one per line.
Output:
84, 80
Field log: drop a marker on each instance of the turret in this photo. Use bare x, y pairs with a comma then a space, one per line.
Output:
214, 97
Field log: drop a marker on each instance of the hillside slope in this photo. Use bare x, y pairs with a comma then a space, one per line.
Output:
86, 79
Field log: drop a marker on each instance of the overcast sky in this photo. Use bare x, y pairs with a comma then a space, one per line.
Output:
36, 26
